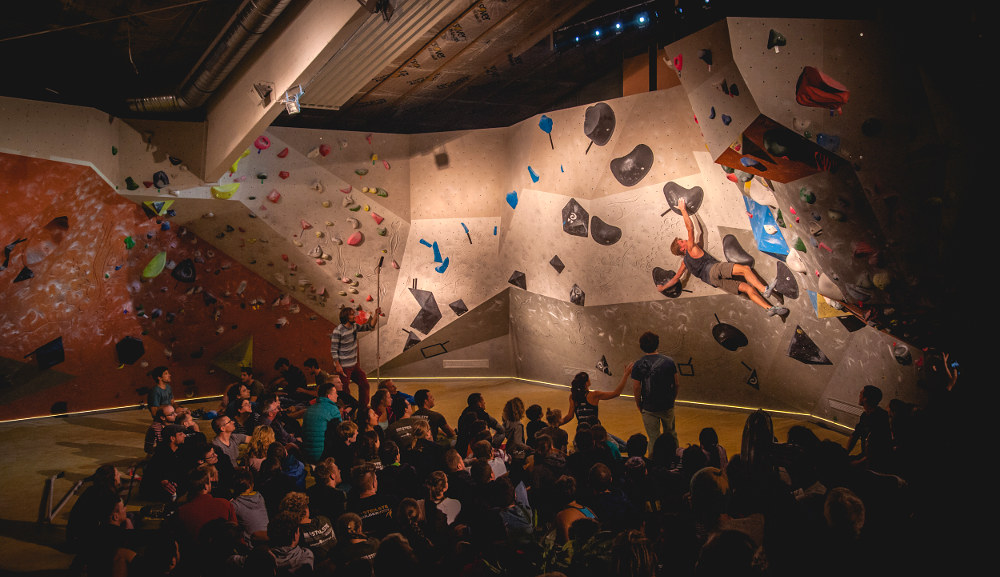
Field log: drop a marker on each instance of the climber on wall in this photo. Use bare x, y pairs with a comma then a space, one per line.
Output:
723, 275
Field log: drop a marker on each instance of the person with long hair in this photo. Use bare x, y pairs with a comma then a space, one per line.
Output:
513, 429
262, 438
583, 402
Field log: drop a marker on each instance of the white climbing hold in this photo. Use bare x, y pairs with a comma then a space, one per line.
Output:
354, 222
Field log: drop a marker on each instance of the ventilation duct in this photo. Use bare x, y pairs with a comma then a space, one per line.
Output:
244, 31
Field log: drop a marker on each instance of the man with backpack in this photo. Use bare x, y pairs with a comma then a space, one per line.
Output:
654, 383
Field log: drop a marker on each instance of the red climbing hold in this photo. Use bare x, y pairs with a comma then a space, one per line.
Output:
369, 299
283, 153
347, 190
355, 239
378, 219
147, 183
324, 149
274, 196
733, 178
283, 174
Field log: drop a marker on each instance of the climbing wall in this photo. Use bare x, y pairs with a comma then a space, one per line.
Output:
535, 249
82, 325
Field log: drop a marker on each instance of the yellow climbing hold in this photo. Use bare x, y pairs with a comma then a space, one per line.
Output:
225, 191
367, 208
236, 163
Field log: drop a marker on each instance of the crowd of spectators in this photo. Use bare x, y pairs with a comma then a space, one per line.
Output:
314, 482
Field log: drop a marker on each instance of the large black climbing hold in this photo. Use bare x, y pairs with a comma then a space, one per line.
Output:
576, 295
458, 307
803, 349
7, 250
871, 127
693, 197
784, 282
557, 264
661, 276
603, 232
50, 354
517, 279
575, 218
599, 123
728, 336
160, 179
411, 339
59, 408
632, 167
602, 365
25, 274
750, 148
775, 38
130, 350
184, 271
429, 314
734, 252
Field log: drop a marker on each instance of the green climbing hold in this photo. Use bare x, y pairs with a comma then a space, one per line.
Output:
130, 184
114, 150
780, 219
361, 171
381, 192
806, 195
155, 266
799, 245
129, 243
808, 135
381, 231
355, 208
728, 169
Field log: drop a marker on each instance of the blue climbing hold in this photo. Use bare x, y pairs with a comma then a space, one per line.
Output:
545, 124
443, 267
726, 119
512, 199
711, 115
534, 177
437, 252
425, 243
494, 231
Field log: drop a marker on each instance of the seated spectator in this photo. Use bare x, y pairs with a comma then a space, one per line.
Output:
317, 377
548, 465
381, 405
395, 478
460, 483
374, 508
227, 439
201, 507
515, 512
284, 540
715, 454
315, 529
395, 557
108, 544
610, 504
482, 450
353, 543
475, 411
421, 533
272, 482
263, 437
513, 429
341, 448
437, 490
162, 417
440, 430
250, 508
91, 509
324, 496
366, 450
570, 511
534, 414
554, 431
242, 416
425, 455
291, 385
400, 430
318, 418
165, 472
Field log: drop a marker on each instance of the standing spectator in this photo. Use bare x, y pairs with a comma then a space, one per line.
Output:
655, 382
317, 420
161, 394
344, 350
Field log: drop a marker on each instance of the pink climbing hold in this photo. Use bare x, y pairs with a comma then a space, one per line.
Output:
385, 163
378, 219
732, 177
792, 210
284, 257
355, 239
369, 138
283, 153
305, 225
347, 190
679, 62
320, 261
823, 246
262, 143
324, 149
283, 174
395, 264
274, 196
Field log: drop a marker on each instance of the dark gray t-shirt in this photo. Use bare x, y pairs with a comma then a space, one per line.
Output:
655, 374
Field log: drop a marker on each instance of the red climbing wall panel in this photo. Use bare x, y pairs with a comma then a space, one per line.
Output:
86, 288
